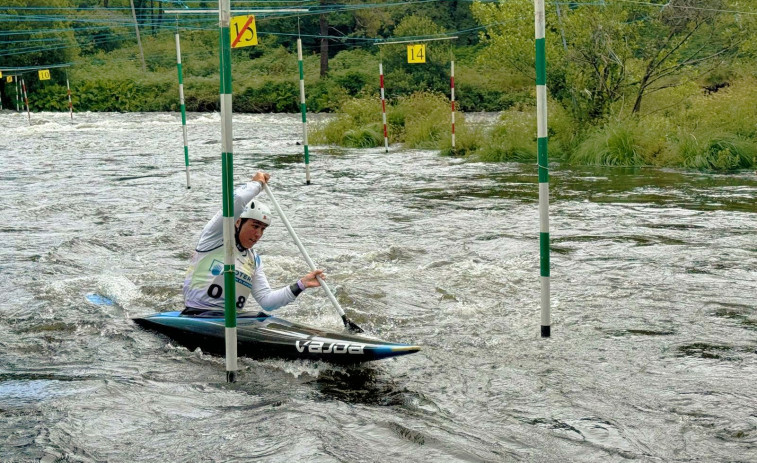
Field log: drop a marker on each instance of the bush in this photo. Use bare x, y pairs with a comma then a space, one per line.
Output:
512, 139
421, 120
357, 125
718, 152
424, 119
630, 142
270, 97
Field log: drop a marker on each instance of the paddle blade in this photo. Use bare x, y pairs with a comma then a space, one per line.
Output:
352, 326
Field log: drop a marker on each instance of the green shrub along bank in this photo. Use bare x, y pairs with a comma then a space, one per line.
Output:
420, 120
715, 131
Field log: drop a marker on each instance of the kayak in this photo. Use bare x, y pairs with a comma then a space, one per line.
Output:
262, 336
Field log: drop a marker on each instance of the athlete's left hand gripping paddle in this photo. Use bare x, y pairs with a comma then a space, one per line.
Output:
349, 324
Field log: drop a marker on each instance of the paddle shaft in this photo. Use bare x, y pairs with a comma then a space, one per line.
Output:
305, 253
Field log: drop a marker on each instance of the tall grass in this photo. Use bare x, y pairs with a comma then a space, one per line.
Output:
706, 132
717, 152
421, 120
357, 125
424, 119
629, 142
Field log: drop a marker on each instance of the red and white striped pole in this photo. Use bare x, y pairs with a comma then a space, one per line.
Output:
452, 98
26, 100
383, 106
71, 105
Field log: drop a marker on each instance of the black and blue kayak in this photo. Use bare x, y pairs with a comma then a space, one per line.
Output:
263, 336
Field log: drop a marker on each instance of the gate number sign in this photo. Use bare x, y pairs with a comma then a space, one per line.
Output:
416, 53
44, 74
243, 33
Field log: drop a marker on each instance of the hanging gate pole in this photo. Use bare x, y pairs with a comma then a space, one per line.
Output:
543, 162
452, 98
26, 100
303, 108
70, 104
227, 157
139, 40
18, 99
383, 106
183, 106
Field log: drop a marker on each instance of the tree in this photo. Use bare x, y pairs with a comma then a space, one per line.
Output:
599, 55
688, 37
431, 75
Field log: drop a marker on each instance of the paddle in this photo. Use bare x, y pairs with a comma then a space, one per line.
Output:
349, 324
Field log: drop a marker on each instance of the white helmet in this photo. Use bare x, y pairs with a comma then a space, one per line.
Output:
256, 210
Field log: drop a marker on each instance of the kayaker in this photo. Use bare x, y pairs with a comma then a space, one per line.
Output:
204, 282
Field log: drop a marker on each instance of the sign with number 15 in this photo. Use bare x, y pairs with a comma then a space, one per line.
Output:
243, 33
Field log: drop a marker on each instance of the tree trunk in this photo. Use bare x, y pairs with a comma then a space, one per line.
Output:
324, 45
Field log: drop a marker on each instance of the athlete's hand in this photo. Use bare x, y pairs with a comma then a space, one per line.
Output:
310, 280
261, 177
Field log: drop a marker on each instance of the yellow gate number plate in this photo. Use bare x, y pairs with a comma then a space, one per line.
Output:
1, 73
9, 79
243, 33
416, 53
44, 74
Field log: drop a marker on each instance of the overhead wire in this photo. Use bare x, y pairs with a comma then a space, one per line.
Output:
197, 22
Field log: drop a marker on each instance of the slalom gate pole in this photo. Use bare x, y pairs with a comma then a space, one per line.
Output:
383, 105
18, 98
26, 100
452, 99
303, 108
139, 39
227, 157
543, 162
70, 104
182, 105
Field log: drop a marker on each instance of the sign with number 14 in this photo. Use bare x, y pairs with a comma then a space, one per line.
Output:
416, 53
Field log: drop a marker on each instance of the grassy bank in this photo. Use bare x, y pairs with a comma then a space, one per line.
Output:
265, 79
707, 131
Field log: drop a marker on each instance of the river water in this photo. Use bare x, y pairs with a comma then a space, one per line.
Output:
653, 355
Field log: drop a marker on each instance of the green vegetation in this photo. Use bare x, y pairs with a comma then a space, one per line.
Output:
630, 83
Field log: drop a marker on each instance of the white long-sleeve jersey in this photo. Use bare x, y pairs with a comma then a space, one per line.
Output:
204, 285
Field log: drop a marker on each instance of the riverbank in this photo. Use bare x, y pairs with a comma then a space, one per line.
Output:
707, 131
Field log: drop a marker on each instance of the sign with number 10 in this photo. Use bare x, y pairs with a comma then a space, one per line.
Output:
44, 74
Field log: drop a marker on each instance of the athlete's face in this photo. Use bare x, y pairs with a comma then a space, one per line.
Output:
251, 232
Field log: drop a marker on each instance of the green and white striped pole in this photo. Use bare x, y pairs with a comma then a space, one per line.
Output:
183, 106
303, 108
224, 15
383, 106
18, 98
543, 162
452, 99
70, 103
26, 100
